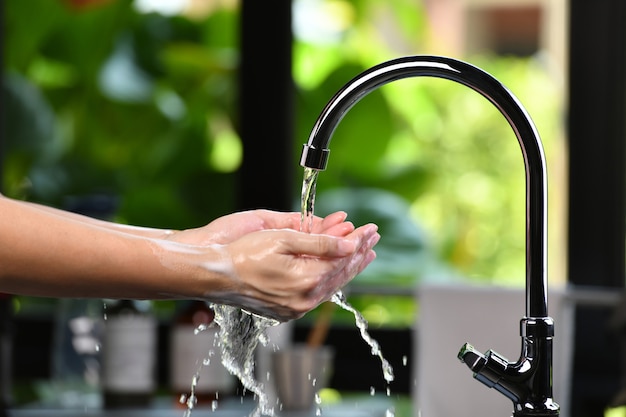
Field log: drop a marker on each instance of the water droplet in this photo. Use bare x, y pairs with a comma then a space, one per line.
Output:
390, 413
314, 382
404, 360
372, 391
201, 327
182, 399
206, 361
214, 405
191, 402
387, 371
388, 392
318, 399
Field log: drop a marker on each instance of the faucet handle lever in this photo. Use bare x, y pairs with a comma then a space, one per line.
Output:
491, 369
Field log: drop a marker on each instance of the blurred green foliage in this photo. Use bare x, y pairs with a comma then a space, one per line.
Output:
439, 146
141, 106
109, 100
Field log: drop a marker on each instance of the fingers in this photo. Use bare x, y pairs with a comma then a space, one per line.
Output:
338, 269
340, 230
330, 221
326, 246
334, 224
305, 269
355, 265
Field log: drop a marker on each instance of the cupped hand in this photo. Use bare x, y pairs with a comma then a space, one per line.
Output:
285, 273
231, 227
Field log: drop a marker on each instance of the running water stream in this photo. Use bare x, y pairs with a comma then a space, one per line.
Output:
309, 185
241, 331
307, 199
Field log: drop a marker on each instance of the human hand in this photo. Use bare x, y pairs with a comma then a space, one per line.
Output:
285, 273
231, 227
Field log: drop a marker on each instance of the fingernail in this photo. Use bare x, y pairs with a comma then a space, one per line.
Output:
370, 230
373, 240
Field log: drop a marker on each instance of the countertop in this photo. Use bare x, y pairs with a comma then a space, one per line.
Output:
366, 408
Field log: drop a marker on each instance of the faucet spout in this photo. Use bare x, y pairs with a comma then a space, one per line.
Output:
534, 396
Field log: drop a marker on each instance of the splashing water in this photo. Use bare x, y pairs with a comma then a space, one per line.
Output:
240, 333
309, 185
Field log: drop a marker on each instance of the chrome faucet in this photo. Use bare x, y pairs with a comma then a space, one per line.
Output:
527, 382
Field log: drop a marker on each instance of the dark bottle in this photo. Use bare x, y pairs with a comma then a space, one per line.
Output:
128, 354
195, 352
6, 346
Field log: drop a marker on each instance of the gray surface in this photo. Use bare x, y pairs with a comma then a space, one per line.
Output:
367, 408
177, 413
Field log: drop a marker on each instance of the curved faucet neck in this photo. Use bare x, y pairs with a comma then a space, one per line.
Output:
527, 382
315, 153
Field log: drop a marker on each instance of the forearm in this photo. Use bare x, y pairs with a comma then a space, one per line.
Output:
135, 230
43, 253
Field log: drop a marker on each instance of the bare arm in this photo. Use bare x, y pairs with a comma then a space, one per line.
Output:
252, 259
135, 230
46, 252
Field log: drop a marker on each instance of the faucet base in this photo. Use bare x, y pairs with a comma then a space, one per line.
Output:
527, 382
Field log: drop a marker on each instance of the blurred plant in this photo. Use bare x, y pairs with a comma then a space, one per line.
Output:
138, 105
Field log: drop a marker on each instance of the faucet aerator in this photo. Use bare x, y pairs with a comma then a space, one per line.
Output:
472, 358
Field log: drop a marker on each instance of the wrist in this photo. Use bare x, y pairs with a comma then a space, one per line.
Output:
197, 272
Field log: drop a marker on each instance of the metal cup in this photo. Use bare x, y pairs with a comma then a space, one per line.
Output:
300, 372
